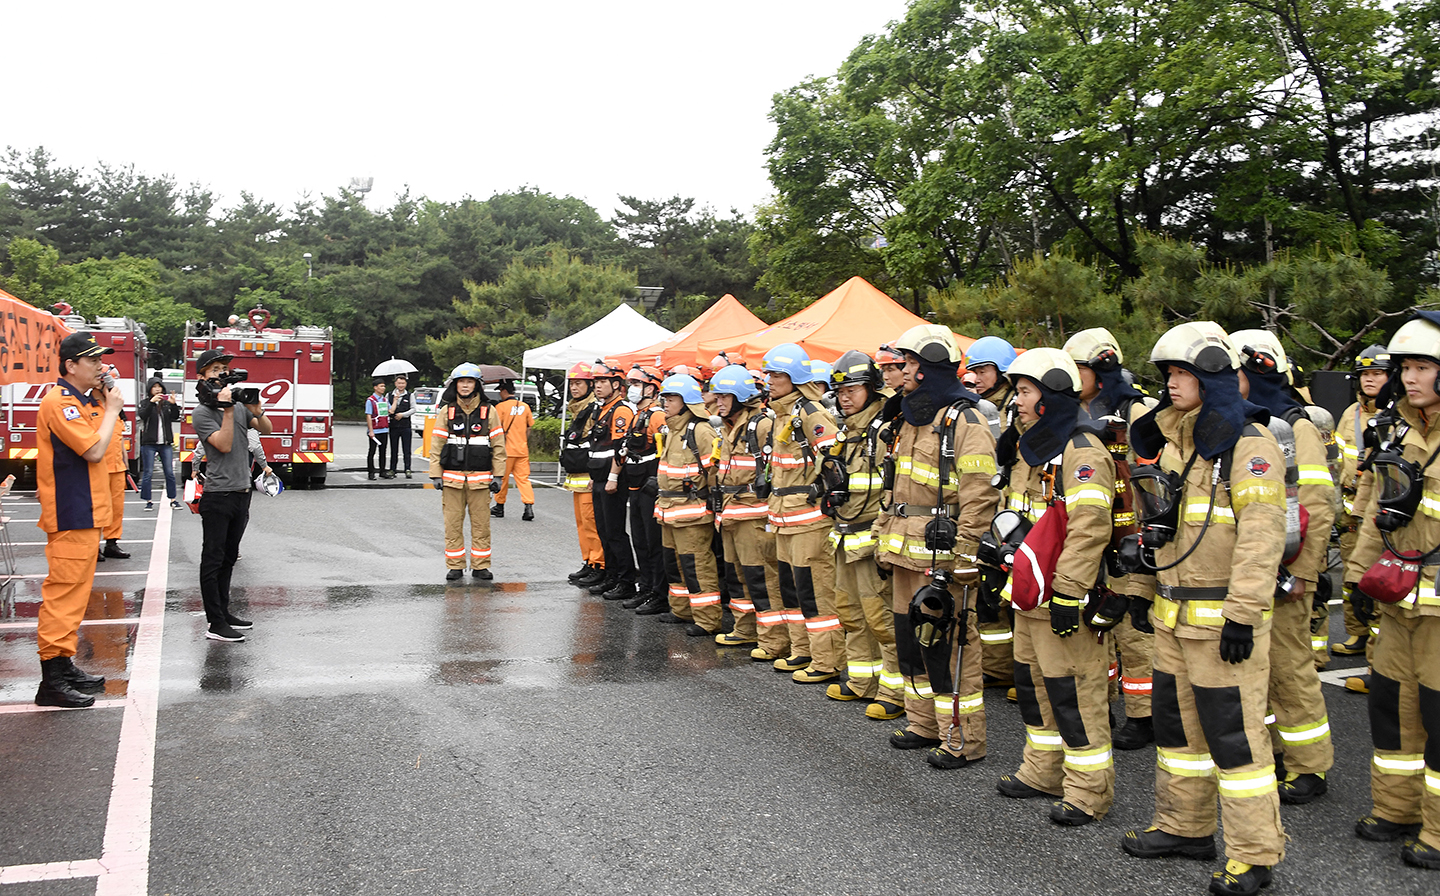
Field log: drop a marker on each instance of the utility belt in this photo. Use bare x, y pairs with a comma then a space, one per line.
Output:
1207, 611
737, 489
855, 527
811, 491
689, 491
1178, 592
904, 511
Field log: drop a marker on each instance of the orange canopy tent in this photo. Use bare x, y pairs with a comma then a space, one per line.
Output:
725, 320
29, 342
854, 315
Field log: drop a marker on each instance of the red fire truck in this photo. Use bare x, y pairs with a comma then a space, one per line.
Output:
291, 368
20, 402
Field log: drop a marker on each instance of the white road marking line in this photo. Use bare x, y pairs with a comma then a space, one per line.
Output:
23, 874
41, 575
126, 519
41, 544
30, 625
125, 855
9, 708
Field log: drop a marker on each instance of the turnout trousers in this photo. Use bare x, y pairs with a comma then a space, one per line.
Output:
610, 524
865, 605
456, 502
1405, 723
929, 673
751, 550
997, 640
1137, 651
807, 588
1354, 627
1062, 685
1301, 727
1210, 738
590, 550
690, 570
70, 555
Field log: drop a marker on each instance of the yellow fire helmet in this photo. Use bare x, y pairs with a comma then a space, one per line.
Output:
1203, 344
932, 342
1416, 337
1052, 368
1095, 348
1260, 351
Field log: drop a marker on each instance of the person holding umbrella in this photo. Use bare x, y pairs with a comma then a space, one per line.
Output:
400, 411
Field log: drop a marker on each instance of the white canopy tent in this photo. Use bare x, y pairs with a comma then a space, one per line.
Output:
622, 330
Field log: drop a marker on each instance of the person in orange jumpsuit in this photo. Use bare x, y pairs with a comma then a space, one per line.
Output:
115, 468
72, 434
516, 420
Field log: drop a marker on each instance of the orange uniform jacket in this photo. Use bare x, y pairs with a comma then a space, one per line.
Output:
73, 493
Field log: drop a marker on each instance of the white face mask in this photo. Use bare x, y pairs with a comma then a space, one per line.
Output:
635, 394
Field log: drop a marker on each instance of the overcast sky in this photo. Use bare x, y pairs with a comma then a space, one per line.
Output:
589, 99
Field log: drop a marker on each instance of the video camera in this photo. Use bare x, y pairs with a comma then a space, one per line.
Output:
208, 391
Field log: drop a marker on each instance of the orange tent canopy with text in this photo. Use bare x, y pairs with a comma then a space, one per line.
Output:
29, 342
854, 315
726, 319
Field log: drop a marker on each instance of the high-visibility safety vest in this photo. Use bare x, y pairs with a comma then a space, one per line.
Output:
611, 424
468, 443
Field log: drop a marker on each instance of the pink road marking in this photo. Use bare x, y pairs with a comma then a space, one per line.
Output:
24, 874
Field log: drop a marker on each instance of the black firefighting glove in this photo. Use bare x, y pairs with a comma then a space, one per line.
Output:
1237, 642
1362, 603
1064, 615
494, 486
1324, 589
1140, 615
435, 480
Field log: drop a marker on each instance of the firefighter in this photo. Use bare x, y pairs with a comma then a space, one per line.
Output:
854, 483
74, 424
892, 369
610, 423
1300, 732
1052, 455
467, 452
1372, 371
575, 461
516, 419
803, 431
640, 463
1108, 397
689, 450
988, 359
1212, 528
939, 470
749, 546
1401, 517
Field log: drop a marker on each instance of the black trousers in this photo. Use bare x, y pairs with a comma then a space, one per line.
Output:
610, 525
400, 438
223, 517
377, 443
645, 535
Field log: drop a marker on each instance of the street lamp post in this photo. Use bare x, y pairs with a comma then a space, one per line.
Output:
309, 267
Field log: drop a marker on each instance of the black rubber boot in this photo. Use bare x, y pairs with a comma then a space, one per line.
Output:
1239, 879
1137, 732
454, 575
498, 511
1153, 843
529, 513
55, 690
79, 679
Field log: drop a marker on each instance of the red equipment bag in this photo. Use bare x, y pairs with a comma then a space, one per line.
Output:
1033, 572
1392, 578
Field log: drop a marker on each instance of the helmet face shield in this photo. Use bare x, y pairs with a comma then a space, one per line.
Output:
1157, 502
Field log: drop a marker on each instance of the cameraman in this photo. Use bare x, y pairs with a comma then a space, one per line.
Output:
222, 425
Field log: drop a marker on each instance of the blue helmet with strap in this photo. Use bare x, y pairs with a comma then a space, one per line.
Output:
990, 350
734, 380
684, 386
791, 360
466, 370
821, 371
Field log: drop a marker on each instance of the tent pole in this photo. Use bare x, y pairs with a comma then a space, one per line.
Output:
564, 406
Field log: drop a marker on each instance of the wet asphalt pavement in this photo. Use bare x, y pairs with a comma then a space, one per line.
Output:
380, 732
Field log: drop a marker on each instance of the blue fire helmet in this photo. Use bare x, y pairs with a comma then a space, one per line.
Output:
734, 380
822, 371
791, 360
464, 371
990, 350
684, 386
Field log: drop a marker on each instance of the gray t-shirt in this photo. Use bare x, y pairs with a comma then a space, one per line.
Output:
228, 472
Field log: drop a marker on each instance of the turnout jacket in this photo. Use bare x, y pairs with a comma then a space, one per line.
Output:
1231, 574
741, 455
1421, 534
803, 431
1084, 480
860, 448
1317, 496
687, 468
1350, 437
900, 528
474, 425
1135, 584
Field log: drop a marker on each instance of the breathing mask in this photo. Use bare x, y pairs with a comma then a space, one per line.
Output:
932, 610
1157, 493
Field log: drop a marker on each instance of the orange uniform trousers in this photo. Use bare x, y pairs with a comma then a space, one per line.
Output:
519, 467
591, 551
117, 507
65, 593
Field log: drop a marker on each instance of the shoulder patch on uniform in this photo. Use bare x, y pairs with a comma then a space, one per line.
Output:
819, 429
1084, 472
72, 412
1258, 466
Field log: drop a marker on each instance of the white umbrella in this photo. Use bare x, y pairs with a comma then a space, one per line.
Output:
393, 367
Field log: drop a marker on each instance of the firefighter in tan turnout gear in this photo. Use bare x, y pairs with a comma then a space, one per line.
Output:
1402, 520
467, 452
853, 483
1056, 463
1372, 370
689, 450
804, 430
940, 501
1108, 397
1301, 728
749, 548
1212, 528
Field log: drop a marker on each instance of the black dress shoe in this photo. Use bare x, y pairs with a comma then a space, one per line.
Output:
113, 550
